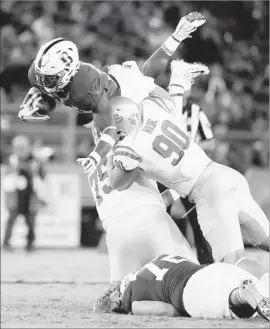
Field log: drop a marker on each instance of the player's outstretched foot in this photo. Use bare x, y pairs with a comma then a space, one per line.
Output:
188, 24
251, 295
184, 73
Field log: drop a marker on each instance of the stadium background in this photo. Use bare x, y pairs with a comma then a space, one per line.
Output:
53, 287
234, 43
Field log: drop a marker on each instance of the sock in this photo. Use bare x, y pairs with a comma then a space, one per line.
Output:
238, 307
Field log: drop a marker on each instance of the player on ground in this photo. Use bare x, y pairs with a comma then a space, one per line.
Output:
58, 74
162, 149
173, 286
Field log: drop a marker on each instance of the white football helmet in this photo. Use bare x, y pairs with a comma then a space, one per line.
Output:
56, 64
127, 115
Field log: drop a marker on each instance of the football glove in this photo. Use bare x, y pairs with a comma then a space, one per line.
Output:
89, 164
33, 107
187, 25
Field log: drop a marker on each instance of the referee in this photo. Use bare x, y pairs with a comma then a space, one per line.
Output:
23, 181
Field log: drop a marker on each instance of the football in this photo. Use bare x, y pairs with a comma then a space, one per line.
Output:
46, 105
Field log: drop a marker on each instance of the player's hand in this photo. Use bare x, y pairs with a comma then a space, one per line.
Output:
127, 159
187, 25
33, 107
89, 164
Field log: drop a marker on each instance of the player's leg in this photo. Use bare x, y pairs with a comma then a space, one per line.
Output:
136, 238
211, 293
165, 236
13, 214
254, 226
217, 208
126, 244
30, 222
127, 248
253, 221
204, 250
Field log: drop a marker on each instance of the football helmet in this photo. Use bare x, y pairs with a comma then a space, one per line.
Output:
126, 114
56, 64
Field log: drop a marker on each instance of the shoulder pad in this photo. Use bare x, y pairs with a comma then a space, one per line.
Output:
88, 80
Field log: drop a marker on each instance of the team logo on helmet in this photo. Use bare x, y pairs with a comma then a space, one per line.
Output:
118, 116
134, 118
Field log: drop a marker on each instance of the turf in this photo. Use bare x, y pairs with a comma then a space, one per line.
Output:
57, 288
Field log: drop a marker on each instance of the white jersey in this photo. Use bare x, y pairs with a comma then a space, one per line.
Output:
111, 203
133, 84
168, 155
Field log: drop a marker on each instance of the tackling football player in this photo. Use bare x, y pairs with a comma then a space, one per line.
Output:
135, 220
161, 147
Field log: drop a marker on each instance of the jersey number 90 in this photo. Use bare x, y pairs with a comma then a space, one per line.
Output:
172, 141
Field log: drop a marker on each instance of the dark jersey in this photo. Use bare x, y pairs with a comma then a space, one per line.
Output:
82, 93
26, 169
164, 279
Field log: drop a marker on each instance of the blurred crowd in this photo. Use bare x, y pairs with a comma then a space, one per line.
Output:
234, 43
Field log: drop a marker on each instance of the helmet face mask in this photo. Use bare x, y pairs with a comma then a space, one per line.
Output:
56, 64
50, 83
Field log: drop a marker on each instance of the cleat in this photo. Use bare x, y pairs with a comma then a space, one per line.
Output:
187, 25
184, 73
250, 294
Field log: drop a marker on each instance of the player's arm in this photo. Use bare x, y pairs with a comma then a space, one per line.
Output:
158, 61
153, 308
105, 123
36, 106
125, 166
120, 179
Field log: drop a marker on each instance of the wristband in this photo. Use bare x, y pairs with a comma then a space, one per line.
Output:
95, 156
107, 139
170, 45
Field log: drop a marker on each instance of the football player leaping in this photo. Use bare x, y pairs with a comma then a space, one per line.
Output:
58, 74
162, 149
173, 286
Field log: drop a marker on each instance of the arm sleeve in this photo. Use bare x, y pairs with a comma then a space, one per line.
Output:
154, 308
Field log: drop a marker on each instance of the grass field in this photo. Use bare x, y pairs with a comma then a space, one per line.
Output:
57, 288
